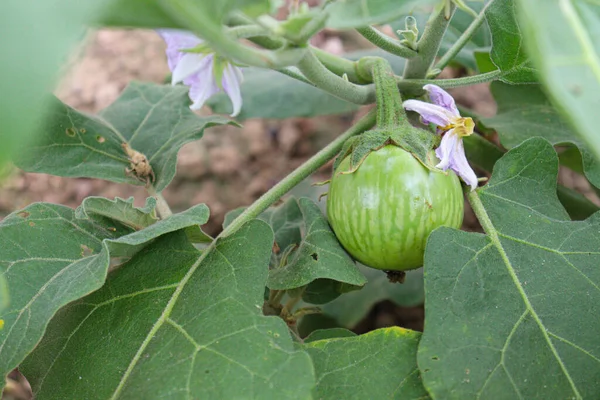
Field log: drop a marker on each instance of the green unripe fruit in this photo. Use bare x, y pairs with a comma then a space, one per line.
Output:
383, 212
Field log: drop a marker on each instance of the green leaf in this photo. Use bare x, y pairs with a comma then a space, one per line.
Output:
123, 211
561, 37
319, 256
31, 59
508, 313
174, 323
285, 220
322, 334
525, 112
378, 365
271, 94
352, 307
508, 52
51, 257
346, 14
153, 119
144, 14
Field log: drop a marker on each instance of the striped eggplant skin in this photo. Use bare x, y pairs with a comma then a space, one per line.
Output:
383, 212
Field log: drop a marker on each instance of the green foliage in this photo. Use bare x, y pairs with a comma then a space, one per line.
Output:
319, 257
359, 13
172, 323
271, 94
144, 14
504, 311
508, 52
308, 254
30, 59
480, 42
524, 112
349, 309
44, 273
377, 365
561, 37
153, 119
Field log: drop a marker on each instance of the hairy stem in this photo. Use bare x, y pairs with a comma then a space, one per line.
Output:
428, 46
192, 16
164, 211
463, 39
386, 43
302, 172
247, 31
417, 84
338, 65
481, 214
329, 82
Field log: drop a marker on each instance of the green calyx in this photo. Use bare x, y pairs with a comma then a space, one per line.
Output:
392, 124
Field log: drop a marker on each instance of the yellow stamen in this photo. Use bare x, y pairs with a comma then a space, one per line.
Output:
462, 126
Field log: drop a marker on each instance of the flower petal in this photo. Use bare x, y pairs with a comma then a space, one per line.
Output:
462, 168
176, 41
439, 96
189, 64
446, 150
430, 112
231, 85
451, 153
202, 86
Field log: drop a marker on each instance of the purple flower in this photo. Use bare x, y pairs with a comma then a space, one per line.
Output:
452, 126
204, 72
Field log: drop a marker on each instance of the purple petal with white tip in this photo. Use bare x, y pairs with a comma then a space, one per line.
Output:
440, 97
202, 86
451, 153
176, 41
430, 112
232, 79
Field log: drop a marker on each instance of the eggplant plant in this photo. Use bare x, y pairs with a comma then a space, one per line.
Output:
114, 301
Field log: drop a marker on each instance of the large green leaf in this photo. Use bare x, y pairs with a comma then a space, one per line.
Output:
508, 52
153, 119
344, 14
51, 257
508, 314
285, 220
174, 323
31, 59
319, 257
144, 14
562, 39
377, 365
352, 307
270, 94
119, 210
524, 112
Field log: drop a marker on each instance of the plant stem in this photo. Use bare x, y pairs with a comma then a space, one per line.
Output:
293, 74
302, 172
428, 46
335, 64
463, 39
192, 15
329, 82
390, 112
414, 84
338, 65
164, 211
247, 31
481, 214
386, 43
